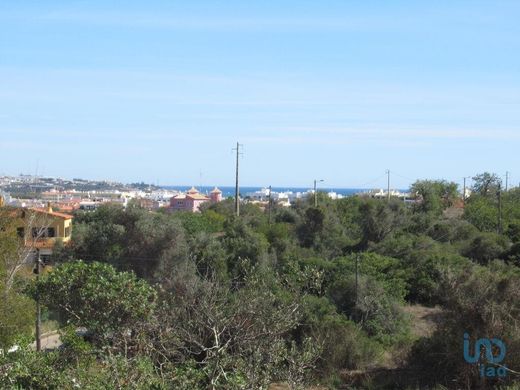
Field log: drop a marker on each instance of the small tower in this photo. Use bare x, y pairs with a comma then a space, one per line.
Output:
215, 195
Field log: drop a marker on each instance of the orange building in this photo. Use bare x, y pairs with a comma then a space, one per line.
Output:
193, 199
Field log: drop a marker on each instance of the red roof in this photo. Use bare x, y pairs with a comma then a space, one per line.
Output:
53, 213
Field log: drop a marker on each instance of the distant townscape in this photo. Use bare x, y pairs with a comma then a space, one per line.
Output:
68, 195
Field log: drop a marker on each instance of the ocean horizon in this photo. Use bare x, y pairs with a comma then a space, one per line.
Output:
228, 191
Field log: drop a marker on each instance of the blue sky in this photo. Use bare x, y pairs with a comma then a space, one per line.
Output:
160, 91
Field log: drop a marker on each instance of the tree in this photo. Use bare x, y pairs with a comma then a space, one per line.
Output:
311, 226
486, 184
377, 311
209, 256
236, 338
486, 247
345, 345
378, 219
16, 317
480, 301
434, 195
243, 246
110, 304
20, 232
482, 212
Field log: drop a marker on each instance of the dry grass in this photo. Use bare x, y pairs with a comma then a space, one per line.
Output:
424, 319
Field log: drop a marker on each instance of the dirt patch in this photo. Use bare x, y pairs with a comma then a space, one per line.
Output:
424, 320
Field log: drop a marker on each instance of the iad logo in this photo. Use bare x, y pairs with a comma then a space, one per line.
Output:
493, 370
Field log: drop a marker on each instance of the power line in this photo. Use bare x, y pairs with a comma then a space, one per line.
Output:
373, 181
403, 177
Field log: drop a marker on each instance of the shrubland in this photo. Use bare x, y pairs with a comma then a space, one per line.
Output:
311, 296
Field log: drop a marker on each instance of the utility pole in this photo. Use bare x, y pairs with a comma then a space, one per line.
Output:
315, 195
269, 217
237, 191
388, 185
38, 308
357, 261
464, 192
499, 210
316, 192
507, 179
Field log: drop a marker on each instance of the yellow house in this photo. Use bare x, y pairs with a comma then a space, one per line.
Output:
43, 228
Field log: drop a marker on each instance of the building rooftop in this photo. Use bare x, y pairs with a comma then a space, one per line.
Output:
52, 213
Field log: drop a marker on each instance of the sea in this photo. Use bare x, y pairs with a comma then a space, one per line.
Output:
230, 191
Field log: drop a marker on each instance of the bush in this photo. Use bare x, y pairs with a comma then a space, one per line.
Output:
345, 346
378, 312
486, 247
96, 296
483, 302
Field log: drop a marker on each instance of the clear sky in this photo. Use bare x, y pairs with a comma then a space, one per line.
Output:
160, 91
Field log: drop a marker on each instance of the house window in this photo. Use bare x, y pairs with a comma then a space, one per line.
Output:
45, 259
43, 232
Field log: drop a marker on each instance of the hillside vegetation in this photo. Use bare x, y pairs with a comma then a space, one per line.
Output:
354, 293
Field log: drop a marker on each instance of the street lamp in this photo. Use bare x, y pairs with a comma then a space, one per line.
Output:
315, 193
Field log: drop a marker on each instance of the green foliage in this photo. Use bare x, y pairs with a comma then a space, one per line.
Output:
243, 243
209, 255
236, 337
422, 260
388, 271
9, 243
16, 310
16, 317
149, 244
312, 225
208, 222
378, 219
486, 184
96, 296
371, 306
243, 302
26, 369
434, 195
486, 247
513, 231
344, 344
480, 301
452, 231
482, 212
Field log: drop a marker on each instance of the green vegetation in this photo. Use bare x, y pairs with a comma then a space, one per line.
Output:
316, 297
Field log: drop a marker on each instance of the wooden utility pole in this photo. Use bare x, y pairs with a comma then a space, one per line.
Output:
357, 261
507, 179
315, 195
388, 185
237, 190
316, 192
464, 192
38, 308
269, 218
499, 210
